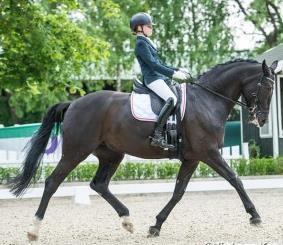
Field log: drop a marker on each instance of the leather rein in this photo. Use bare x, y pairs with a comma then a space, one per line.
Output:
244, 105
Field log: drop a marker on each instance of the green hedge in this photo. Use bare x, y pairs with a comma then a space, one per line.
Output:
164, 170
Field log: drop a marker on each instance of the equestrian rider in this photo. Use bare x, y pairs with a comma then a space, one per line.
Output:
154, 73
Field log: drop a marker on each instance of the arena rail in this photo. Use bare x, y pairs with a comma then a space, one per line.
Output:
11, 158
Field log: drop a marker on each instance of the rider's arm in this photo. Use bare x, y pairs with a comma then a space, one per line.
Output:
144, 53
173, 68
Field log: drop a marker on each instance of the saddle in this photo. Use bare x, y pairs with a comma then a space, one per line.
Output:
146, 106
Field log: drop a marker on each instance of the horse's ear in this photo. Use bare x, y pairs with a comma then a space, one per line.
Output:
274, 66
265, 68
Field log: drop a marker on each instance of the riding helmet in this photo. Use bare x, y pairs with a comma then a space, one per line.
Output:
140, 19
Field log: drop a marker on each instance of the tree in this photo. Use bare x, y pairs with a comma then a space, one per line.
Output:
193, 33
266, 16
44, 48
41, 54
116, 31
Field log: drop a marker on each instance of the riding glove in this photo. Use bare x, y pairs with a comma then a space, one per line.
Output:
185, 70
180, 75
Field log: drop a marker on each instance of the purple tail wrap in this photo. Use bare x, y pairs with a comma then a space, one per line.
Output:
53, 146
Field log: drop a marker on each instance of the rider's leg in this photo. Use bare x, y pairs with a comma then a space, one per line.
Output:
162, 90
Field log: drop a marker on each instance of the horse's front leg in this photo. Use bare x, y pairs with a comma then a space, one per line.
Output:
186, 170
216, 162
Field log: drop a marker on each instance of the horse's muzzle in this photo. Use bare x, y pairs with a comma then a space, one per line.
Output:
262, 118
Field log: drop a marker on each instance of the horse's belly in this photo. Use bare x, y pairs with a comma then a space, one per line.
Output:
130, 136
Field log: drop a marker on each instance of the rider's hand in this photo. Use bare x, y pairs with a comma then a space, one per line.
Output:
180, 75
185, 70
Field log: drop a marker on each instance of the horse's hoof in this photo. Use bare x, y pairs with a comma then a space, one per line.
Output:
32, 237
255, 221
153, 232
127, 225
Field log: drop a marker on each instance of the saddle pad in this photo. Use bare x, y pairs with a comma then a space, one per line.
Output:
141, 106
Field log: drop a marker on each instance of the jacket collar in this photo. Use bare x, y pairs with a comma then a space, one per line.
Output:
147, 40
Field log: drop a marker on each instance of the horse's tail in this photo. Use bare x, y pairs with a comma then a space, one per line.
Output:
36, 147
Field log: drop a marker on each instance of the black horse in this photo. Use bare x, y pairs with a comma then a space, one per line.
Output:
101, 123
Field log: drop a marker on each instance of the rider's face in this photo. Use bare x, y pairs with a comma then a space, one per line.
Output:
147, 29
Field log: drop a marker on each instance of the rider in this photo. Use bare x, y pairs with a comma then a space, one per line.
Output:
154, 73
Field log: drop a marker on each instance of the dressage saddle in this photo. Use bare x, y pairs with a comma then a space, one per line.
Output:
156, 102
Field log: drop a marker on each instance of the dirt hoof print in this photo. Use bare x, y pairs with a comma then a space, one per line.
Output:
32, 237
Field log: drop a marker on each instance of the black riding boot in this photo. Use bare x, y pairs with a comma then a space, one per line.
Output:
158, 139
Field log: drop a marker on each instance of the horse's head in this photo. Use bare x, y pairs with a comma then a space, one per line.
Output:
258, 95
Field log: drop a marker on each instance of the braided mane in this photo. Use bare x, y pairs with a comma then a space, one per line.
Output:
227, 63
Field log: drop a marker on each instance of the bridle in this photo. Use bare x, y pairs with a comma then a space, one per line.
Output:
257, 102
252, 108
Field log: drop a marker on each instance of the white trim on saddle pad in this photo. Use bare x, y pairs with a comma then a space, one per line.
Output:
141, 106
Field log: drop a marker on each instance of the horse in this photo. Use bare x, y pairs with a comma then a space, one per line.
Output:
101, 123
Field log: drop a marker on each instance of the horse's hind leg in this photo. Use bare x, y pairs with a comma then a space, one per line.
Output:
186, 171
108, 164
216, 162
67, 163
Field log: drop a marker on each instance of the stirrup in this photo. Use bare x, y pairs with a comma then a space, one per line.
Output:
160, 142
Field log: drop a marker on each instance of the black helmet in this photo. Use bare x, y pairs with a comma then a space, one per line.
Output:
140, 19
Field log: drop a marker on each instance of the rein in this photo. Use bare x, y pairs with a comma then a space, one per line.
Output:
222, 96
244, 105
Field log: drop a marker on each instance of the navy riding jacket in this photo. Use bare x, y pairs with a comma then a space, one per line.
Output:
151, 67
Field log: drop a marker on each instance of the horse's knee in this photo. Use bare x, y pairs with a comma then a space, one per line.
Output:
100, 188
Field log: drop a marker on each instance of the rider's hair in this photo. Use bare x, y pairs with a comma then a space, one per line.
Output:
135, 32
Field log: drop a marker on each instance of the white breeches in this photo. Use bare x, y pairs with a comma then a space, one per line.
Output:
160, 87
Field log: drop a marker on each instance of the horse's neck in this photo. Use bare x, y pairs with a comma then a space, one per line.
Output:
228, 83
228, 87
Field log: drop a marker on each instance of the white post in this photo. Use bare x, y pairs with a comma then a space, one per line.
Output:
242, 122
275, 124
81, 195
245, 150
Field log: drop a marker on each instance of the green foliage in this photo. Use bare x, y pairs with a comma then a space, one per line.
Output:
258, 166
6, 173
46, 56
82, 173
146, 171
266, 17
205, 171
186, 30
167, 170
42, 52
254, 149
240, 166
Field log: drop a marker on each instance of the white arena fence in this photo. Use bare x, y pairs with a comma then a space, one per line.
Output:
12, 154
